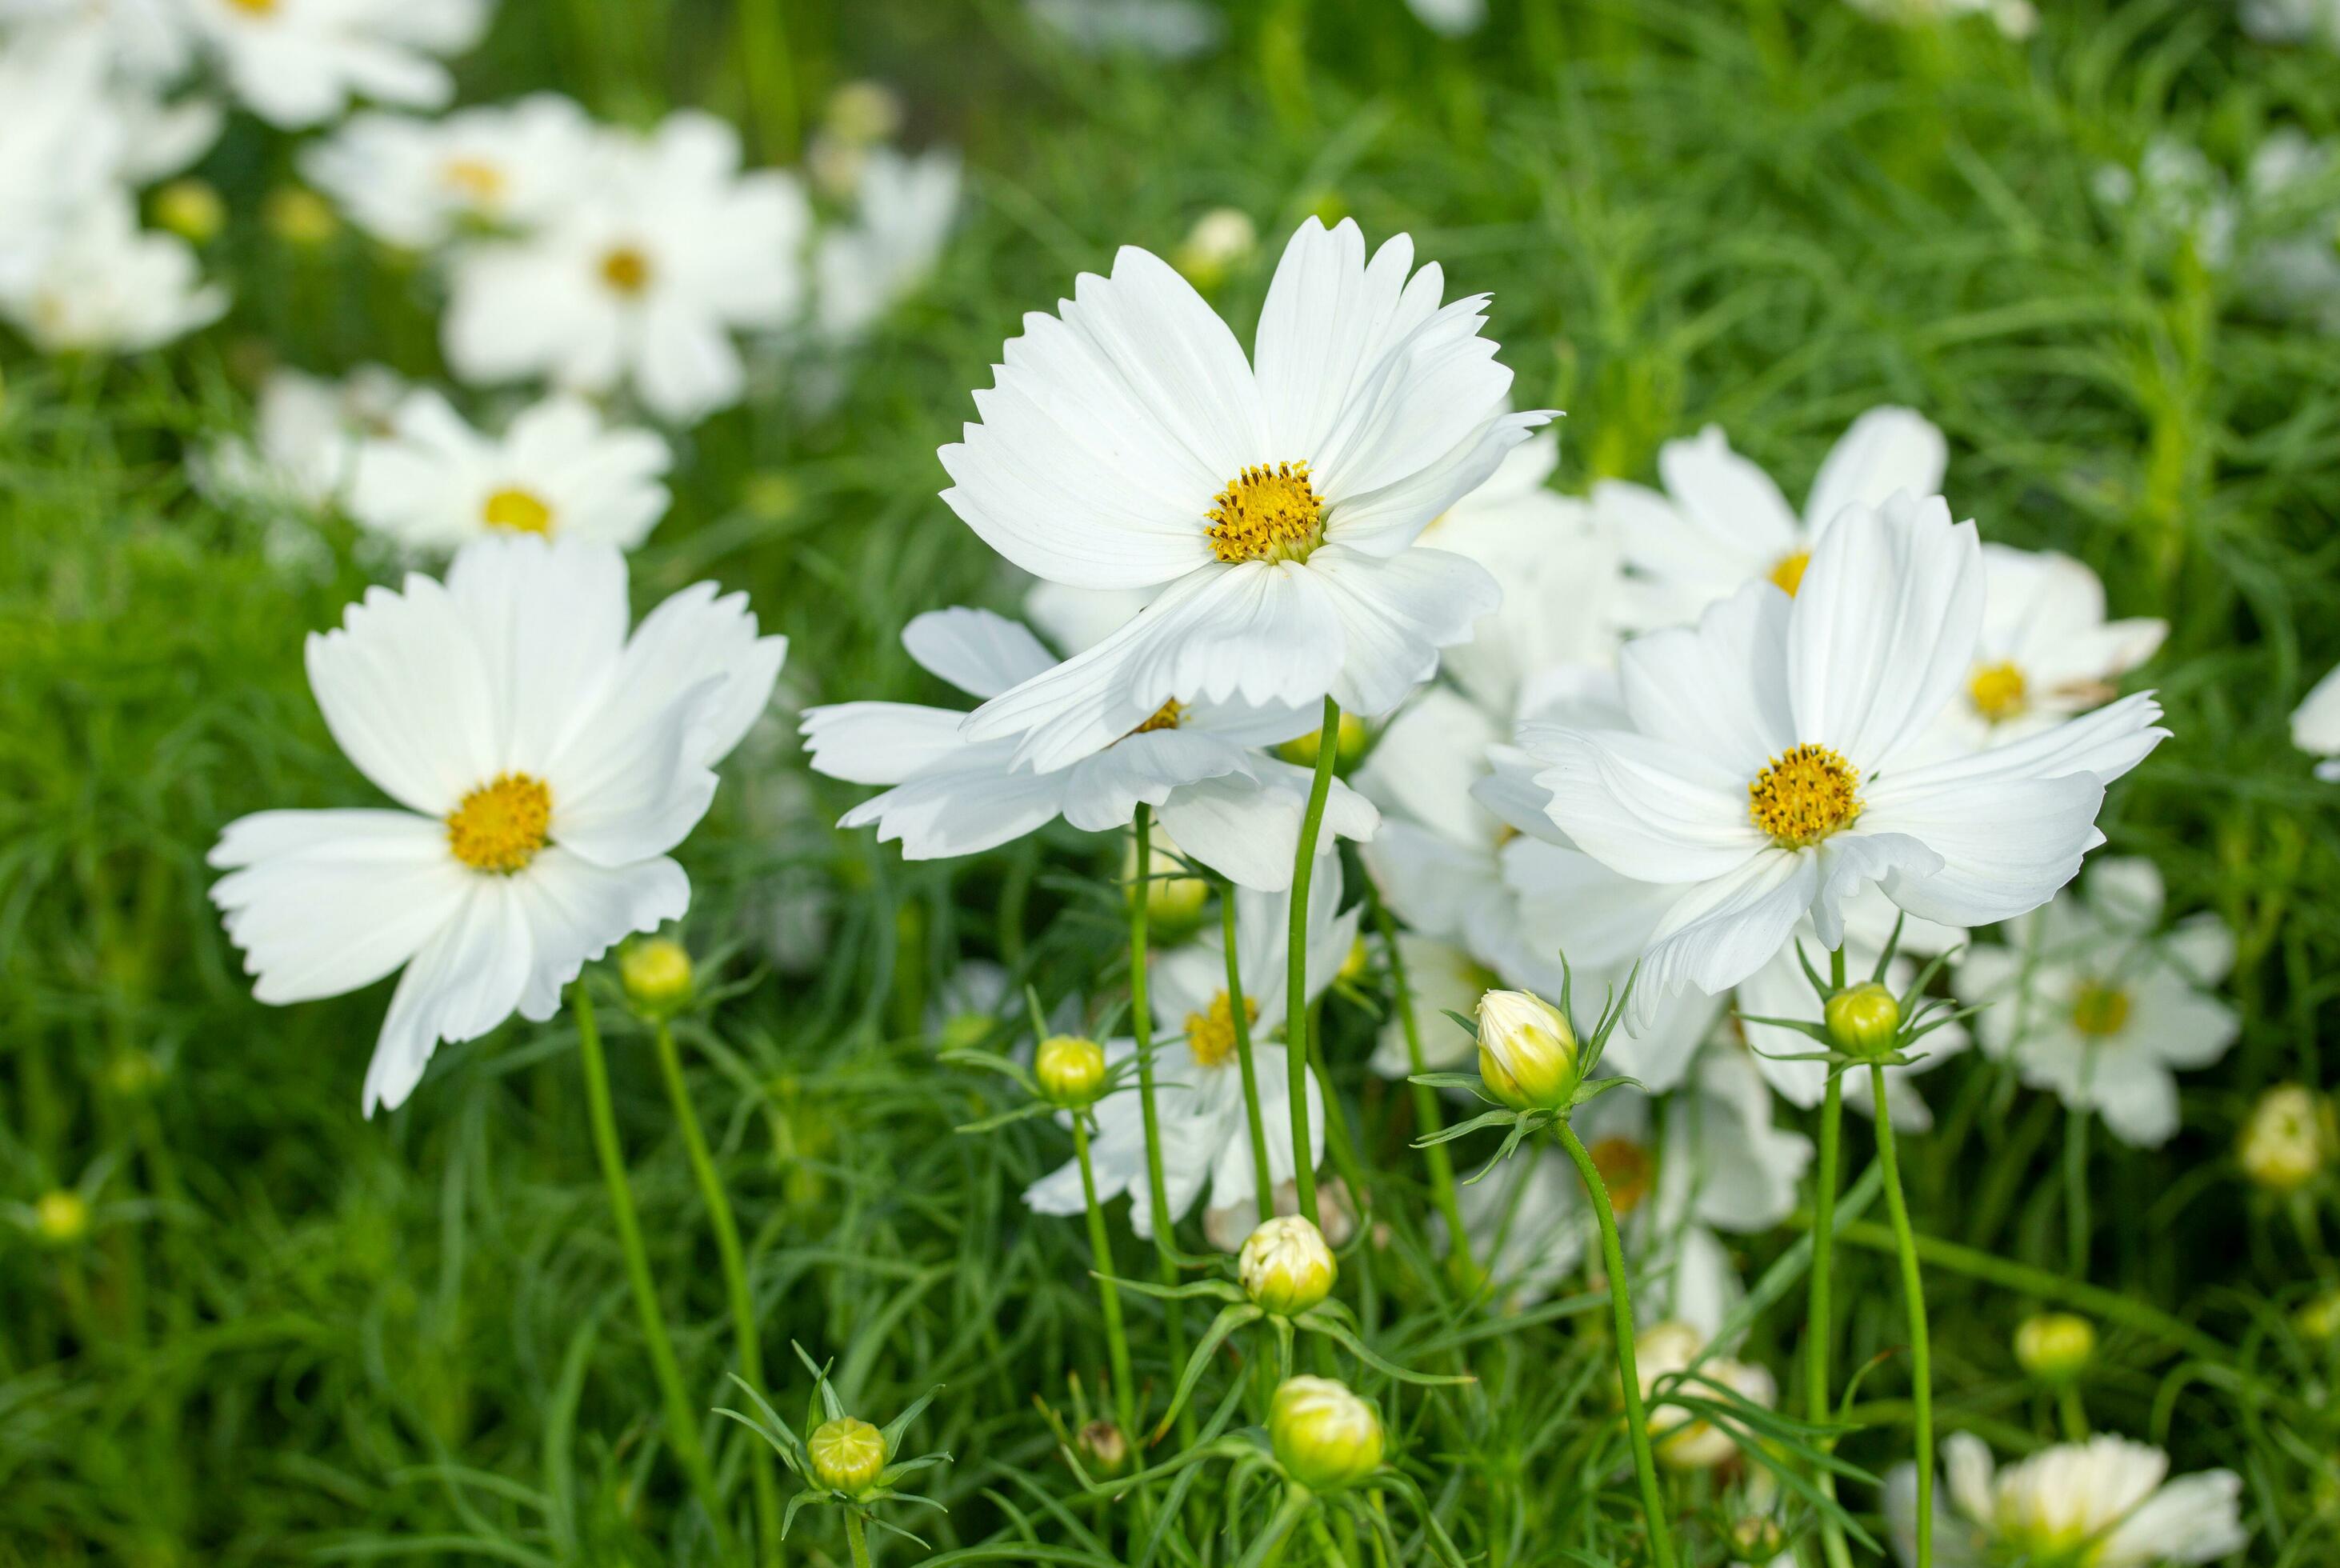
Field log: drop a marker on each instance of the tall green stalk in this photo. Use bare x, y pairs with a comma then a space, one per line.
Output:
1141, 1031
741, 1298
1629, 1376
1239, 1015
1921, 1367
1295, 991
1116, 1337
681, 1421
1426, 1113
1818, 1323
857, 1539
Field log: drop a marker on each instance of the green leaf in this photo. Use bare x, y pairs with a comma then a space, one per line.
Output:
1229, 1319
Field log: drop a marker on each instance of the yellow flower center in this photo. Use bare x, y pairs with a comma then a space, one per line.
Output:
1211, 1036
501, 826
1267, 514
476, 180
1624, 1167
255, 7
1787, 571
1997, 691
1806, 794
2100, 1010
516, 512
626, 270
1166, 717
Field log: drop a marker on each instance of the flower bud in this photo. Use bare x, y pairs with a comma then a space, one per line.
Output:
1071, 1070
2053, 1347
657, 974
1527, 1051
847, 1455
1301, 749
2287, 1141
1286, 1266
299, 216
1684, 1440
1355, 962
60, 1218
1757, 1541
1171, 900
1864, 1020
2319, 1320
192, 210
1324, 1436
1221, 240
1104, 1445
863, 112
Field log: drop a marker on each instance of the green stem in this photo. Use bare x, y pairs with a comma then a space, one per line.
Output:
682, 1427
1295, 991
2076, 1192
857, 1539
1239, 1014
1426, 1113
1921, 1368
1116, 1338
741, 1298
1818, 1323
771, 79
1268, 1550
1140, 1029
1621, 1309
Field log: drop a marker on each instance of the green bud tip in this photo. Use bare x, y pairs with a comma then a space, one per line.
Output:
1864, 1020
1528, 1056
2053, 1347
847, 1455
1071, 1070
1286, 1268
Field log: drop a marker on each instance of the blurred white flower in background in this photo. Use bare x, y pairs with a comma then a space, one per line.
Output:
641, 283
2015, 18
2093, 1002
546, 762
1687, 1439
2108, 1502
305, 440
103, 284
1452, 17
902, 212
1166, 29
418, 184
1722, 523
300, 63
2176, 197
434, 483
2292, 20
2316, 725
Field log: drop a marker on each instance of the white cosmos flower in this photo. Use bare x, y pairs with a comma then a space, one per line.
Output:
903, 210
2092, 1004
418, 183
641, 282
103, 285
1205, 1133
1765, 771
306, 436
1227, 804
1127, 443
2108, 1502
1779, 989
144, 41
2014, 18
1722, 523
1454, 18
298, 63
2046, 651
542, 763
2175, 197
434, 483
2316, 725
2292, 20
1166, 29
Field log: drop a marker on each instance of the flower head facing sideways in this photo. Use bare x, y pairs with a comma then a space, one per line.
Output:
495, 168
542, 761
1200, 765
2108, 1502
1126, 443
2316, 725
1765, 771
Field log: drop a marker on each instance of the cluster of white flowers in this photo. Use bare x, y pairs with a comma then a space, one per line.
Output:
2269, 234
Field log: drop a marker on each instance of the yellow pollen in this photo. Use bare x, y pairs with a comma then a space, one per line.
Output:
626, 270
1211, 1036
1787, 571
501, 825
1166, 717
2100, 1010
1998, 691
255, 7
1267, 514
475, 179
1624, 1167
516, 512
1806, 794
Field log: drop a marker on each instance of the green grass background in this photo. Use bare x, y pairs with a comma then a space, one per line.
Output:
297, 1335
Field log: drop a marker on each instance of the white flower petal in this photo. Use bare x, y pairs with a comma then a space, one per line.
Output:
1725, 928
324, 902
1721, 688
465, 981
409, 697
1886, 450
549, 620
883, 742
981, 653
577, 910
1650, 810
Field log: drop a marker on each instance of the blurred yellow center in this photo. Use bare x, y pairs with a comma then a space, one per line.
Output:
1624, 1167
516, 512
1787, 571
626, 270
2100, 1010
1267, 514
501, 826
1166, 717
255, 7
1806, 794
1997, 691
1211, 1036
475, 179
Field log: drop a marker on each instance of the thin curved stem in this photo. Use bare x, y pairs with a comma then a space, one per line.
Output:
682, 1425
1921, 1367
1141, 1030
1628, 1377
1295, 991
1116, 1337
1426, 1113
736, 1290
1239, 1015
1818, 1323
